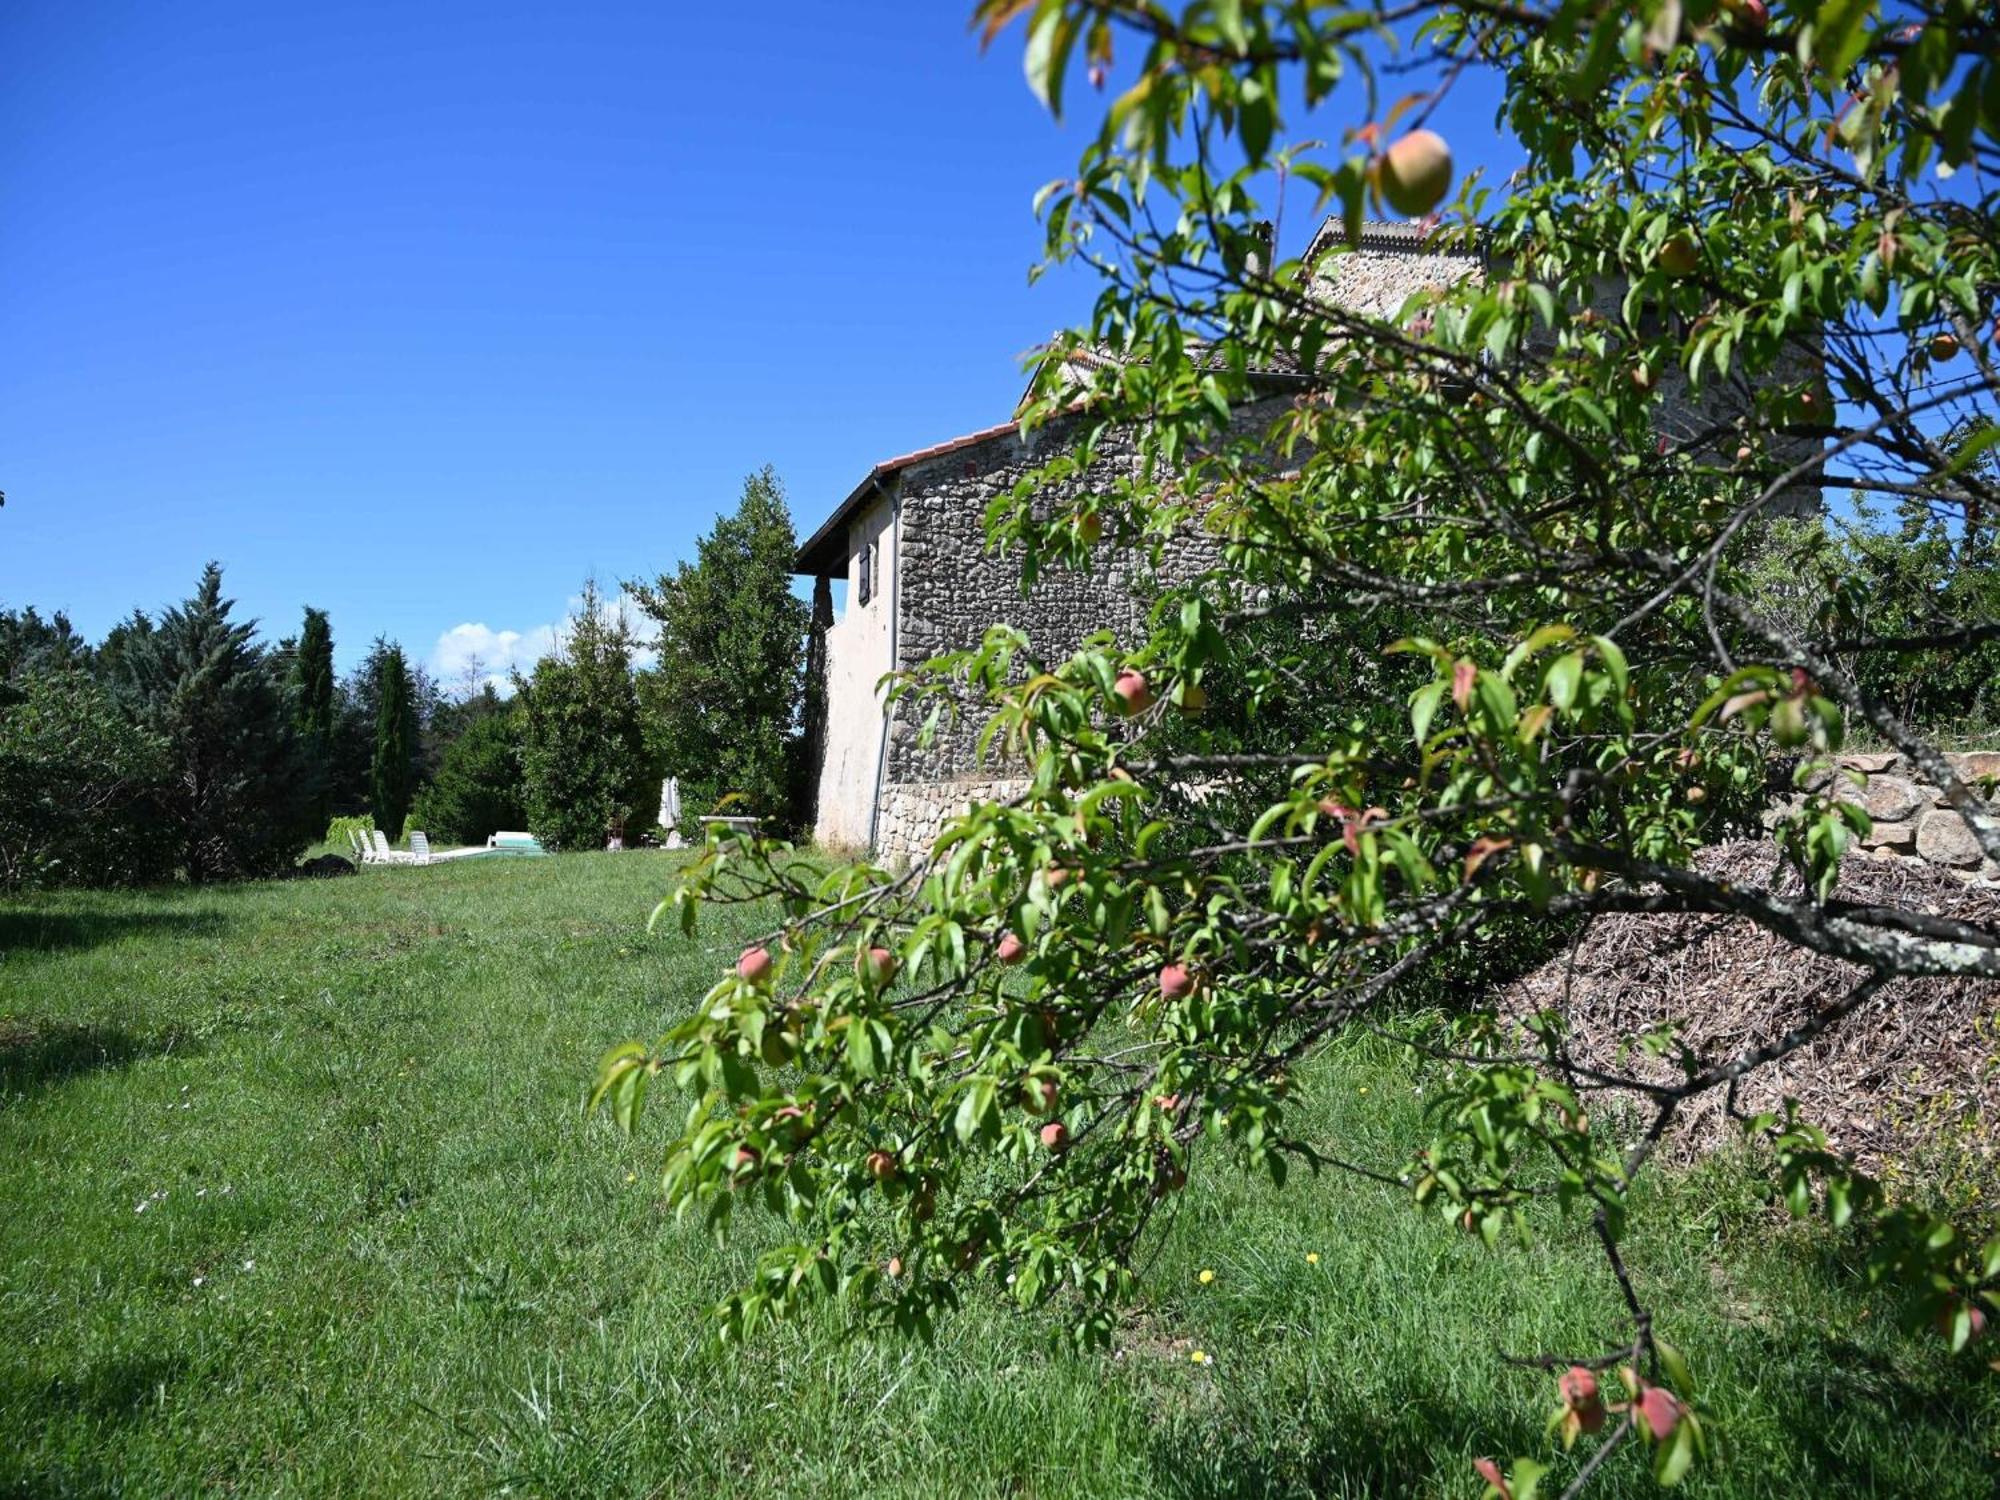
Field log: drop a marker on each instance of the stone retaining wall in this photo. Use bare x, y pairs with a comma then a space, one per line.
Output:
911, 813
1910, 815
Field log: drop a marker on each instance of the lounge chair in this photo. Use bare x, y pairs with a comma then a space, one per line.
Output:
384, 855
362, 853
420, 848
525, 842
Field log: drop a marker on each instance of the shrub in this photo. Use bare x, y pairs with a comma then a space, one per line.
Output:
338, 830
478, 788
79, 787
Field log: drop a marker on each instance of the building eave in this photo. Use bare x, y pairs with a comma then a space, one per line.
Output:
824, 553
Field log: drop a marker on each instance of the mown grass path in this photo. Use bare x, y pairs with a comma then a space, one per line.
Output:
296, 1198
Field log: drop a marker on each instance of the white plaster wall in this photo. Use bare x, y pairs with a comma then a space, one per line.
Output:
860, 647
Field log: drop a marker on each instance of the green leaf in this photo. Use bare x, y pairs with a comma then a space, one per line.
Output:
1051, 35
1673, 1458
1564, 675
1423, 708
1676, 1366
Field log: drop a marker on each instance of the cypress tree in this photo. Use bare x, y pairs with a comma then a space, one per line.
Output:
392, 778
312, 701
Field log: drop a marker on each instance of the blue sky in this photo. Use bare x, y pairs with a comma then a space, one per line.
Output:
422, 313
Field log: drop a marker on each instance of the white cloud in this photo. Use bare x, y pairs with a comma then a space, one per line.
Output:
474, 652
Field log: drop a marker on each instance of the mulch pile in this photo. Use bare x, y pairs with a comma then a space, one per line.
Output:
1918, 1065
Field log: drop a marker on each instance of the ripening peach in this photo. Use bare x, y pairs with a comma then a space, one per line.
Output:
1679, 255
1041, 1095
1133, 693
1414, 174
1943, 347
1754, 15
879, 965
1089, 527
1659, 1412
881, 1165
895, 1267
1055, 1135
1976, 1317
1194, 698
755, 965
1176, 983
1010, 950
1578, 1388
745, 1160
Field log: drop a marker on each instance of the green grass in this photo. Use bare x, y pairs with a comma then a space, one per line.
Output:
381, 1251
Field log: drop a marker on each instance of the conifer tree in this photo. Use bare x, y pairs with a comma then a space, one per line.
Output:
392, 777
238, 796
583, 758
312, 700
723, 706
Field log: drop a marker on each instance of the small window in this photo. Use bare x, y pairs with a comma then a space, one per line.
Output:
867, 572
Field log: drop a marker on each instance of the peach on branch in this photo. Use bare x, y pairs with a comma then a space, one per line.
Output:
1944, 346
1679, 255
1659, 1412
1041, 1095
1089, 527
1010, 950
1134, 696
1055, 1135
1176, 982
755, 965
1194, 698
1947, 1320
878, 966
881, 1165
1580, 1395
1414, 174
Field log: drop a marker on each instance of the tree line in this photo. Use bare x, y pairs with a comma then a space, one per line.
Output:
184, 746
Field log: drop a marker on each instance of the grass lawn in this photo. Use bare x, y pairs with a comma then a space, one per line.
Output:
295, 1197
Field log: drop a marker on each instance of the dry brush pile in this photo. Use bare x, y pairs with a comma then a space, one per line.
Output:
1915, 1070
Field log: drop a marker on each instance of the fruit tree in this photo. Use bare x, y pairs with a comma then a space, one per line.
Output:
1477, 659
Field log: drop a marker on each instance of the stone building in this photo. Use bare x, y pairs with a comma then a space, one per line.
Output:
910, 542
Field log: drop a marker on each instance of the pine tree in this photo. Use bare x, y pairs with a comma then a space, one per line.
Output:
312, 701
238, 797
724, 704
392, 772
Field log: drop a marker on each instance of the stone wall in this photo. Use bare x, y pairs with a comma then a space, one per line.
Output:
954, 588
1910, 816
912, 812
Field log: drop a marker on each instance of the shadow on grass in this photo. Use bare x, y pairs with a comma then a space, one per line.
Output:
38, 1055
1851, 1423
55, 931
